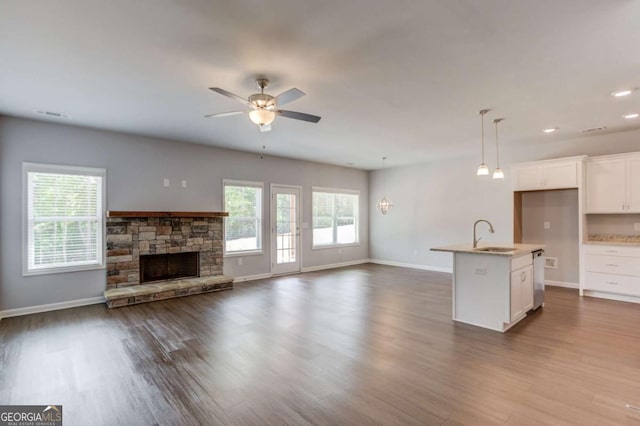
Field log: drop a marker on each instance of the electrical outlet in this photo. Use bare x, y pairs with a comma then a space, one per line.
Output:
240, 261
184, 183
547, 225
339, 251
415, 252
636, 226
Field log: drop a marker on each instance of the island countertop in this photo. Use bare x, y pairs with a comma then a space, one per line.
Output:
518, 249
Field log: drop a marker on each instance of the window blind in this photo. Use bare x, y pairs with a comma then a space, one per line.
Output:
64, 220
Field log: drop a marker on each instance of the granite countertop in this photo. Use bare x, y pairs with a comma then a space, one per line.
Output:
614, 240
518, 249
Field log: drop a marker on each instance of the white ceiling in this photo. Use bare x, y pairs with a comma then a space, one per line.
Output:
402, 79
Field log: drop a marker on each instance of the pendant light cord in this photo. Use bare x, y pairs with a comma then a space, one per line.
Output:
497, 150
482, 126
384, 178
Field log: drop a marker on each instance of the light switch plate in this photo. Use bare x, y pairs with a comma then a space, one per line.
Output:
636, 226
184, 183
547, 225
165, 182
480, 271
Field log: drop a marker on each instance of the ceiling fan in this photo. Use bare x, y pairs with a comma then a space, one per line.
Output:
263, 107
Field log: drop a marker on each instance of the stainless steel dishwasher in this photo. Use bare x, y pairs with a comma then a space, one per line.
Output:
538, 278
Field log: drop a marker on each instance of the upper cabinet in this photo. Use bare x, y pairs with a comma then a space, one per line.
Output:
550, 174
613, 184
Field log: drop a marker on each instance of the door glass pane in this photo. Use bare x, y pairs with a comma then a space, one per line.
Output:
286, 228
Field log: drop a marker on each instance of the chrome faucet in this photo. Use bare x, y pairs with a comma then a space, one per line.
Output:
475, 240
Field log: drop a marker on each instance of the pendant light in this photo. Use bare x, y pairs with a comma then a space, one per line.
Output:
497, 173
483, 170
384, 205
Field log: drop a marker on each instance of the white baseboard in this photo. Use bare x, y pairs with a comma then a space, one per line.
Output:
611, 296
251, 278
412, 265
561, 284
335, 265
51, 307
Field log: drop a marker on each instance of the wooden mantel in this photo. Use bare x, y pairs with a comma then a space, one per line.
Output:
112, 213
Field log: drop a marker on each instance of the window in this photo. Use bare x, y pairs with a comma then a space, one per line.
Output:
64, 220
243, 227
335, 217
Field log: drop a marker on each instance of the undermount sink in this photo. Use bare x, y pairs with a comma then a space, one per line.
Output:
495, 249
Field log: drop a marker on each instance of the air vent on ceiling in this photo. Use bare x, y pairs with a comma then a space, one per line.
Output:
595, 129
51, 114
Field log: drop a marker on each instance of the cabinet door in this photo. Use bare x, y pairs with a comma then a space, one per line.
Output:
606, 186
527, 178
517, 309
633, 185
560, 176
527, 288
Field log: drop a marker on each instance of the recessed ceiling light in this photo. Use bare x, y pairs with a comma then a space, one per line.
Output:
621, 93
634, 115
550, 130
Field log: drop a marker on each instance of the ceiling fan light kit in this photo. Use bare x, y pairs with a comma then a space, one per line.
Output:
263, 107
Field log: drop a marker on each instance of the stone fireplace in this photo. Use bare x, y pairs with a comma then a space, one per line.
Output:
160, 255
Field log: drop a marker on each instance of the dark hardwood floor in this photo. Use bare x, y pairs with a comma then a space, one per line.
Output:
368, 344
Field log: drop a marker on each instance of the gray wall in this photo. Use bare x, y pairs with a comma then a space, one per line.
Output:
136, 166
437, 203
560, 209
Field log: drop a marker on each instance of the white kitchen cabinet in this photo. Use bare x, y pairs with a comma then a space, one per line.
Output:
550, 174
613, 184
612, 269
521, 292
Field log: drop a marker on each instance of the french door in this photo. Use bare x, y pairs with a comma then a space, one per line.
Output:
285, 229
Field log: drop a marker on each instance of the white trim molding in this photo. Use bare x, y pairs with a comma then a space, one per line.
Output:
51, 307
561, 284
335, 265
412, 266
251, 278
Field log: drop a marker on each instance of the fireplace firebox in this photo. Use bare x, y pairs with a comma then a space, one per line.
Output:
162, 267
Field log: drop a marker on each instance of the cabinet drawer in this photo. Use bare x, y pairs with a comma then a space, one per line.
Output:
612, 264
612, 250
521, 262
610, 283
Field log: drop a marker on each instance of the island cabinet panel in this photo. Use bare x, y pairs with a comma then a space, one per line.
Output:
521, 292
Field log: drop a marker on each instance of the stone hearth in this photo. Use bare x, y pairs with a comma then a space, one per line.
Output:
134, 234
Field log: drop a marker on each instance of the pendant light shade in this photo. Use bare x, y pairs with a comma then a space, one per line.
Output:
497, 173
384, 205
483, 169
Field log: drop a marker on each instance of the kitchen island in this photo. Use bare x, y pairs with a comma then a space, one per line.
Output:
492, 284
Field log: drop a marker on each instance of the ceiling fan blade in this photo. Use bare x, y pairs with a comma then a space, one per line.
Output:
289, 96
230, 95
265, 128
298, 115
225, 114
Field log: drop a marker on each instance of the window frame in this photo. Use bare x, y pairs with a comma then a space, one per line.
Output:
339, 191
260, 233
102, 199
